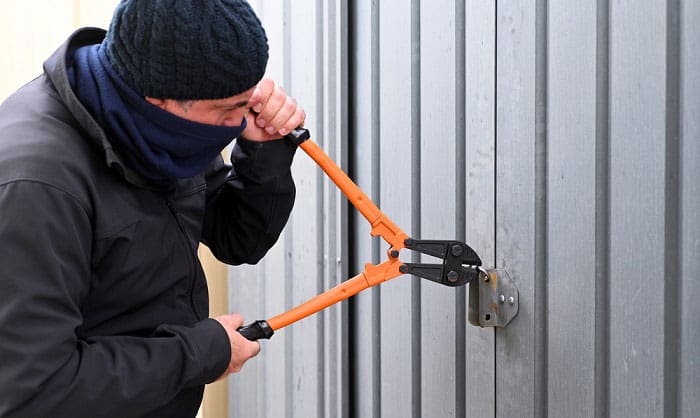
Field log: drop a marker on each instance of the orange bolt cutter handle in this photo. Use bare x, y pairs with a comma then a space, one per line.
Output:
457, 268
372, 276
381, 225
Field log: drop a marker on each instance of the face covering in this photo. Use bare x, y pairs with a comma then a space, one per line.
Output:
156, 144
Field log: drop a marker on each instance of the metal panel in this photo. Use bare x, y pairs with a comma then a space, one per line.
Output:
398, 359
306, 337
602, 210
332, 36
560, 140
480, 161
516, 201
364, 360
571, 197
438, 303
637, 170
689, 228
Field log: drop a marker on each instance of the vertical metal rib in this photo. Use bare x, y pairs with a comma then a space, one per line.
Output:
672, 232
460, 201
352, 121
376, 197
495, 187
330, 277
541, 172
345, 233
602, 213
320, 210
416, 206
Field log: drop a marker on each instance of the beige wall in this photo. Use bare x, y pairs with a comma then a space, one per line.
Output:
30, 31
215, 404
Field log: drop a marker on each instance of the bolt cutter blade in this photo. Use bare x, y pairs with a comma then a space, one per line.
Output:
458, 267
449, 251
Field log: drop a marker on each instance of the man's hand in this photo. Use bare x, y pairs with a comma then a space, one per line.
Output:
274, 114
241, 348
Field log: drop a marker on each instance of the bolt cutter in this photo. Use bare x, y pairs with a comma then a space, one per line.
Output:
460, 263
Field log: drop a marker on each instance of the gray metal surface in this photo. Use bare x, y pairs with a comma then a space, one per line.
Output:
519, 359
560, 139
571, 202
365, 341
479, 391
689, 236
440, 367
400, 305
637, 207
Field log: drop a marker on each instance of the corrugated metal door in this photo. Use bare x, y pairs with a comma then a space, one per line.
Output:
560, 139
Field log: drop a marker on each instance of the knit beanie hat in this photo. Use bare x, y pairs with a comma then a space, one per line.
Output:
187, 49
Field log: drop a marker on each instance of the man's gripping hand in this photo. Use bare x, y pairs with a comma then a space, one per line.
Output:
274, 114
241, 348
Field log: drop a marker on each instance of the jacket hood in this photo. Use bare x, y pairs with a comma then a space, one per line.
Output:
56, 69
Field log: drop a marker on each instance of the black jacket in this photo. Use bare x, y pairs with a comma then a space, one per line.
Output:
103, 302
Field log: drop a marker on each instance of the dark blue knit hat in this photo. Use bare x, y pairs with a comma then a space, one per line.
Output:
187, 49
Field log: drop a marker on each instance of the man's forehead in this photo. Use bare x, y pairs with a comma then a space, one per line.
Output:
236, 100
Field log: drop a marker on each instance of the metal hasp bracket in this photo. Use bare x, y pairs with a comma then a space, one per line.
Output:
493, 299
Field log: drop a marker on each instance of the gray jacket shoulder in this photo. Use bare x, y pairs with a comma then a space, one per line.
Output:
40, 141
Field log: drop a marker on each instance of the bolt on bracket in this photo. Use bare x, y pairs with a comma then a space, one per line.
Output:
493, 299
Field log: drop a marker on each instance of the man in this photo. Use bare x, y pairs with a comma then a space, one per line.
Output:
110, 176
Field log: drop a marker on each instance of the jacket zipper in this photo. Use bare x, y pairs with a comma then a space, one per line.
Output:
193, 267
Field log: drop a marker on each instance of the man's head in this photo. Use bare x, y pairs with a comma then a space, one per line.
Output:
187, 49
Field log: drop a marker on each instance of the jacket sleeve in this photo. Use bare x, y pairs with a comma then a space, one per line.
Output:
45, 368
249, 203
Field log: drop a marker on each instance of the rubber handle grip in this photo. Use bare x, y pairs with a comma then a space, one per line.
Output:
298, 135
256, 330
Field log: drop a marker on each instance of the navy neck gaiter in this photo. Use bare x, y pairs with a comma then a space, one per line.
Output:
156, 144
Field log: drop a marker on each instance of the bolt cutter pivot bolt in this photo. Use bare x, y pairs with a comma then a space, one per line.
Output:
452, 276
